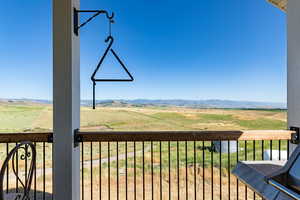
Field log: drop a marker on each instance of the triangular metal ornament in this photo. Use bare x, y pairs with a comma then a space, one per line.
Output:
94, 80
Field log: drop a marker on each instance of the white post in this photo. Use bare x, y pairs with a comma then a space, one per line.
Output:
293, 29
66, 102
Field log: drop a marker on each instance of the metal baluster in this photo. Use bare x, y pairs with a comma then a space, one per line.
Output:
186, 173
152, 184
254, 152
178, 184
169, 160
44, 171
143, 170
100, 171
160, 172
52, 168
134, 168
91, 161
195, 175
203, 171
246, 189
271, 149
262, 149
118, 171
108, 151
82, 171
220, 170
228, 169
212, 169
237, 160
279, 144
126, 171
34, 194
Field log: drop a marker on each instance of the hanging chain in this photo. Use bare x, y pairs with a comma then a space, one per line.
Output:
111, 21
109, 27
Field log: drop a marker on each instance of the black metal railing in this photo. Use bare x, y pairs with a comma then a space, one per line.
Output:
153, 165
171, 165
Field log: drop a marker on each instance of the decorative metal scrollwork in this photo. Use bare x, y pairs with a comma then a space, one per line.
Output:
27, 152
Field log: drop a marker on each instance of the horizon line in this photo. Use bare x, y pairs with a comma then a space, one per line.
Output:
152, 99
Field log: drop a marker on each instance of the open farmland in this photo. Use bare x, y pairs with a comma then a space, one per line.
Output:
29, 117
209, 166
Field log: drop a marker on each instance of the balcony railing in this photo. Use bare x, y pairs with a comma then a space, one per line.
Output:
181, 165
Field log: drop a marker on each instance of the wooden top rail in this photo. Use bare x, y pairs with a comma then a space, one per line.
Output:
20, 137
154, 136
185, 135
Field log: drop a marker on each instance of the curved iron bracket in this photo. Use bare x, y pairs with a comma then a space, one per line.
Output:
77, 24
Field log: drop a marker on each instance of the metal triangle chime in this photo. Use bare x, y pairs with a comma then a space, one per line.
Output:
109, 40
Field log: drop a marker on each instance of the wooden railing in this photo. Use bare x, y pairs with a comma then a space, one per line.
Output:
19, 137
238, 135
155, 164
185, 135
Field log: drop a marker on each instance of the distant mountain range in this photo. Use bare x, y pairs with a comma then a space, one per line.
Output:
211, 103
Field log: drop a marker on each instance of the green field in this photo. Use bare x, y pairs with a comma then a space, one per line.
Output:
29, 117
32, 117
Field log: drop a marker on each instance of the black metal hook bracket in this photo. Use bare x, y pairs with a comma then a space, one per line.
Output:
109, 39
296, 136
77, 24
77, 138
50, 138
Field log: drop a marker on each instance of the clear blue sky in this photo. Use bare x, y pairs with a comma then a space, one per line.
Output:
192, 49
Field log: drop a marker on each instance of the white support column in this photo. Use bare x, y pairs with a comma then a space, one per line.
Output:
66, 102
293, 21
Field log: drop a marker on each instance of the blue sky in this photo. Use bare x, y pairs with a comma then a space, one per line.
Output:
192, 49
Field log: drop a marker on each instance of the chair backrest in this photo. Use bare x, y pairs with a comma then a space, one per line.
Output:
26, 151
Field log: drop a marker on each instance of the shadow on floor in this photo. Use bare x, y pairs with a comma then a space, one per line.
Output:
34, 195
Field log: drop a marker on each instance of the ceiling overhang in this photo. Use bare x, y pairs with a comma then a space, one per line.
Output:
281, 4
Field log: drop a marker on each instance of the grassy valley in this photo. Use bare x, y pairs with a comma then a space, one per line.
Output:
37, 117
28, 117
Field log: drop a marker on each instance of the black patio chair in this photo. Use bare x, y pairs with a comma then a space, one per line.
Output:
26, 151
